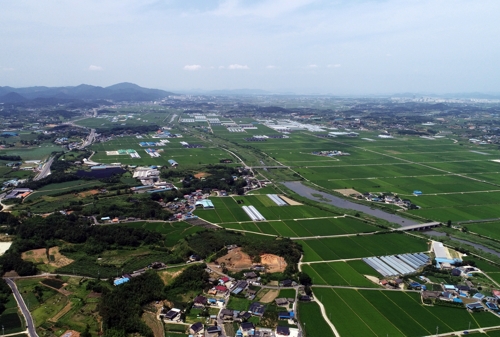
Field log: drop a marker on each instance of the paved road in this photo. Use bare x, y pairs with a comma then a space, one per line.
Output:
90, 139
308, 192
45, 169
24, 309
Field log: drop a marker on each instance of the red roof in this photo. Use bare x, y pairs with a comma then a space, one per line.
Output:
220, 288
225, 279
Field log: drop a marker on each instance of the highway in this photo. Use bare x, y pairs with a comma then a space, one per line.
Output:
90, 139
24, 309
45, 169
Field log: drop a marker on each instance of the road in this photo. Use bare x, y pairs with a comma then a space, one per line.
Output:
90, 139
24, 309
45, 169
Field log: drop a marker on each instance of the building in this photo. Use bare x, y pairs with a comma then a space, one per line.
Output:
475, 307
196, 328
172, 314
257, 309
282, 331
200, 301
173, 163
286, 315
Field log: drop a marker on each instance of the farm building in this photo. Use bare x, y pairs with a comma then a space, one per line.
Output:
286, 315
195, 328
120, 281
283, 331
207, 204
173, 163
477, 306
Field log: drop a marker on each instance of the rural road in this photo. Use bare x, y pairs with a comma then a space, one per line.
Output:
24, 309
308, 192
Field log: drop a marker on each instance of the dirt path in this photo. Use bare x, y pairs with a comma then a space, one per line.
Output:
61, 313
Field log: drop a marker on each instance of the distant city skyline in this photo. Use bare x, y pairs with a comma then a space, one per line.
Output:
301, 46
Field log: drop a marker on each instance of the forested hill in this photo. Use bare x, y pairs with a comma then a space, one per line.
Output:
117, 92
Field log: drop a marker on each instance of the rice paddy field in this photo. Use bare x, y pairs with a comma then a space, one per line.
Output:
349, 273
339, 248
459, 180
389, 313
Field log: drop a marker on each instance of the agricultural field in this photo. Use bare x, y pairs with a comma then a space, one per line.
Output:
172, 150
379, 313
339, 274
10, 319
325, 249
458, 181
174, 231
489, 229
312, 321
72, 306
229, 210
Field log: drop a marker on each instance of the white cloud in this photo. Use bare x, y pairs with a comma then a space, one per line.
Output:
312, 66
238, 67
95, 68
8, 69
192, 67
334, 65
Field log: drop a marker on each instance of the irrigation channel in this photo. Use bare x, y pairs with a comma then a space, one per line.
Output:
473, 244
308, 192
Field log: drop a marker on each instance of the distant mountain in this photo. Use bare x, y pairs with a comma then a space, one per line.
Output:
117, 92
12, 97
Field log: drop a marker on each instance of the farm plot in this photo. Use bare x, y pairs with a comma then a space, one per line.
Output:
337, 274
174, 231
309, 312
489, 229
377, 313
360, 246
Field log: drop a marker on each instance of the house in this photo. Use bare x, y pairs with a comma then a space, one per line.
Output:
172, 314
213, 331
245, 315
200, 301
246, 327
478, 296
226, 314
492, 306
286, 283
195, 328
282, 331
257, 309
415, 285
456, 272
250, 275
221, 290
286, 315
475, 307
304, 298
281, 302
251, 292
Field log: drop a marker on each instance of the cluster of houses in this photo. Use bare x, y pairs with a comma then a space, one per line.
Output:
330, 153
387, 199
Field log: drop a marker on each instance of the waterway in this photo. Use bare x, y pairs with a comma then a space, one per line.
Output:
326, 198
473, 244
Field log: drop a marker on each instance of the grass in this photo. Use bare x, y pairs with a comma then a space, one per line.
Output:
239, 304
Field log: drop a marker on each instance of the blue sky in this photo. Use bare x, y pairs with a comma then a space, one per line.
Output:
305, 46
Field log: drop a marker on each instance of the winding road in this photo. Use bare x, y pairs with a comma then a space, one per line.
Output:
26, 313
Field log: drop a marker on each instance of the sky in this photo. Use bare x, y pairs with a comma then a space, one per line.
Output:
303, 46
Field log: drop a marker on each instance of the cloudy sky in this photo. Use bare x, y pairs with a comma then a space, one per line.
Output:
305, 46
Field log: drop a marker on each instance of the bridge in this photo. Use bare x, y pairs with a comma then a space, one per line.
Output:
419, 227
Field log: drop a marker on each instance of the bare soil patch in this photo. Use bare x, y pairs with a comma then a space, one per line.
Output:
273, 263
168, 276
94, 295
59, 259
88, 193
201, 175
347, 191
11, 273
155, 324
270, 296
236, 260
36, 256
289, 201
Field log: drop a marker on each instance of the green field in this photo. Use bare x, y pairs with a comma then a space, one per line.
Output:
173, 231
338, 274
312, 321
381, 313
360, 246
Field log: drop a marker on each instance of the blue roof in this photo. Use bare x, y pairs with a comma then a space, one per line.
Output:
122, 280
417, 192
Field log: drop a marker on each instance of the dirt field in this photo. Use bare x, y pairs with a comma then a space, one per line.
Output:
40, 256
270, 296
236, 260
167, 276
59, 259
155, 324
347, 192
36, 256
61, 313
201, 175
274, 263
88, 193
289, 201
